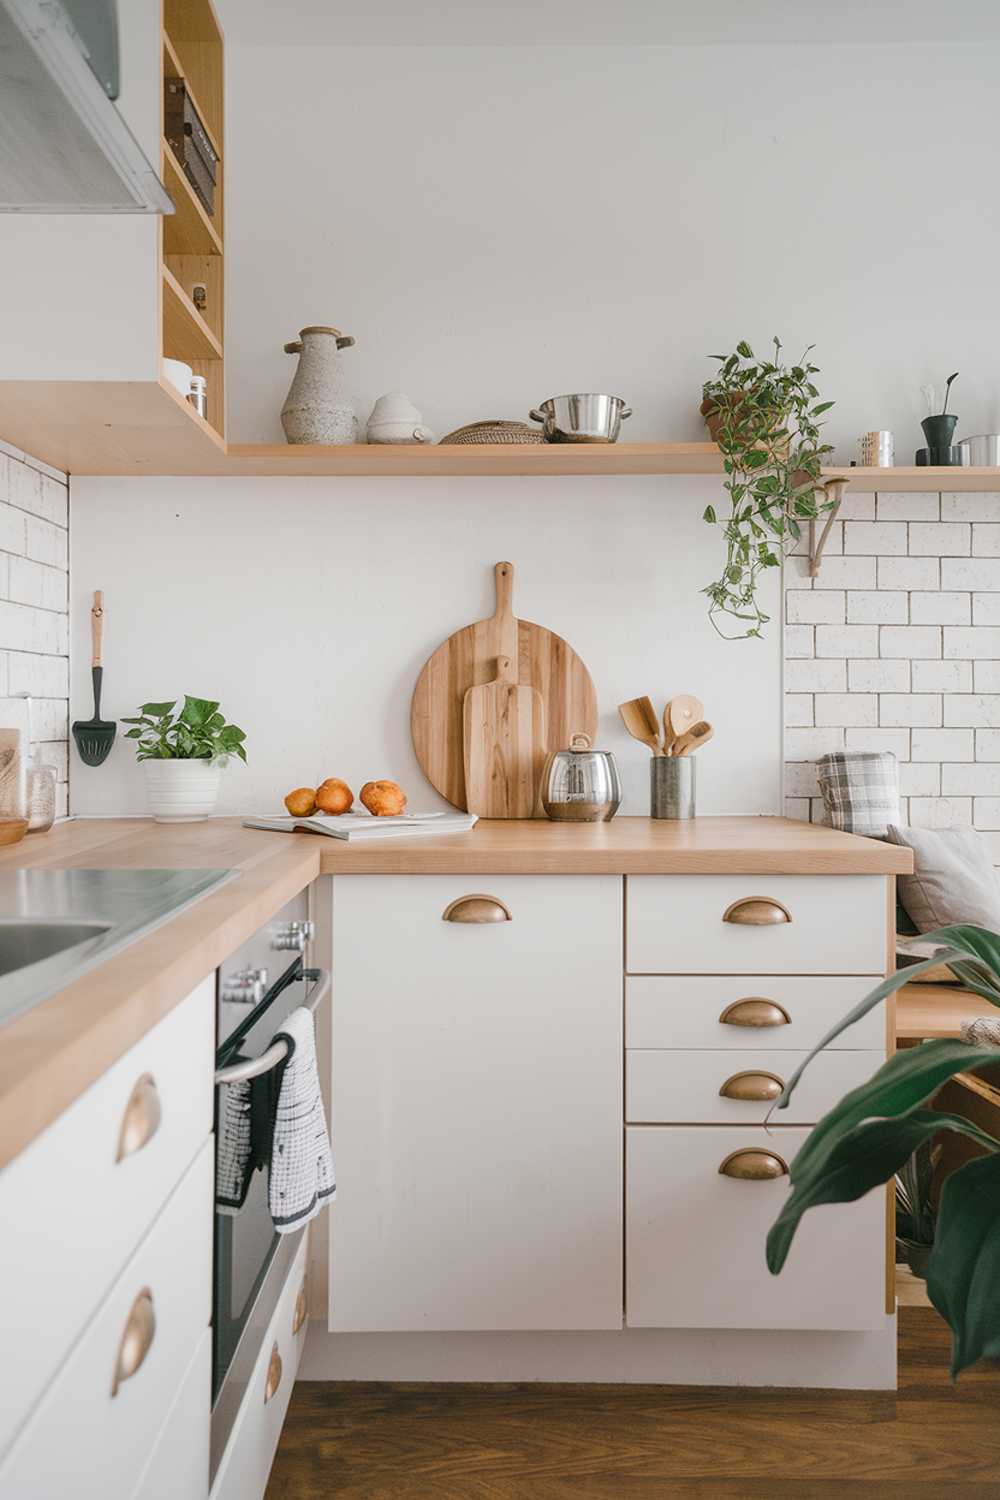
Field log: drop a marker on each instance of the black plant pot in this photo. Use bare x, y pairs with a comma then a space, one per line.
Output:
939, 430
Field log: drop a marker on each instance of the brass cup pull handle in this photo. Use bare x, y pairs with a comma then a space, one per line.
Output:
136, 1339
757, 911
756, 1086
273, 1381
750, 1164
476, 908
141, 1119
301, 1310
755, 1011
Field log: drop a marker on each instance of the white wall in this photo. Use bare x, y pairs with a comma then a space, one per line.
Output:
495, 225
309, 607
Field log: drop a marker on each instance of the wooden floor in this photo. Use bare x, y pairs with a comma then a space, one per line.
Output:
932, 1441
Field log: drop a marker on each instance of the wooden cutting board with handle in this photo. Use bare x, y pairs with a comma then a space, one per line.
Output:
505, 746
540, 659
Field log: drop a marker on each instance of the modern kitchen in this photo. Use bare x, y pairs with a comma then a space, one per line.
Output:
499, 751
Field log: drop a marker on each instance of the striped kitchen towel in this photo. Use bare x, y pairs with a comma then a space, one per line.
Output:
860, 790
301, 1181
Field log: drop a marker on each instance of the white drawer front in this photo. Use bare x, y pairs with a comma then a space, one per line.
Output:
249, 1454
687, 1011
83, 1441
477, 1105
68, 1188
696, 1240
684, 1087
676, 924
178, 1465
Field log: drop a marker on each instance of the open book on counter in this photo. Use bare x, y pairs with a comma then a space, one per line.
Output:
358, 828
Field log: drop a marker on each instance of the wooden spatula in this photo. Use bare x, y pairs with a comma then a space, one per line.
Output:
639, 718
697, 736
504, 745
683, 712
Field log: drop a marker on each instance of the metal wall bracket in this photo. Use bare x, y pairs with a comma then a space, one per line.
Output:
832, 489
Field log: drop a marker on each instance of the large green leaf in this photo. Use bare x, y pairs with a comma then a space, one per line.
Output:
860, 1160
963, 1279
902, 1084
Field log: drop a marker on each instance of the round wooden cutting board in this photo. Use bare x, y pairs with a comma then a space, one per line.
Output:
468, 659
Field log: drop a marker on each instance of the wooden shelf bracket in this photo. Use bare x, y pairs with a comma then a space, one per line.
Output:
833, 490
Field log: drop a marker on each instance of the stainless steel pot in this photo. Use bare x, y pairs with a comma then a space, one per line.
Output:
581, 419
982, 452
581, 785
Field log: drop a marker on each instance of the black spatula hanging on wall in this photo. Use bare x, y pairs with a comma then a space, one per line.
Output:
94, 737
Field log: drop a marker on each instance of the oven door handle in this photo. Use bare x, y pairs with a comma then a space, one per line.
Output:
255, 1066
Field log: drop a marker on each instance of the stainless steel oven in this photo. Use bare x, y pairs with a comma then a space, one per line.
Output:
264, 980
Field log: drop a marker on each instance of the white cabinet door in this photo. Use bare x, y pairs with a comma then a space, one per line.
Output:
477, 1105
696, 1239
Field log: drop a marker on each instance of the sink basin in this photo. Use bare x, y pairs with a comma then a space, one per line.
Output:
29, 940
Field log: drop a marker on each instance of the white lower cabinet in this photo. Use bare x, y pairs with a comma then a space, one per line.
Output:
246, 1462
91, 1434
477, 1104
695, 1239
738, 1088
178, 1465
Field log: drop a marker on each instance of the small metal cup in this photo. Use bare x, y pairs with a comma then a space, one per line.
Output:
671, 786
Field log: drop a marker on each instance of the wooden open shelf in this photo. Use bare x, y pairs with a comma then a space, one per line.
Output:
188, 231
186, 335
174, 68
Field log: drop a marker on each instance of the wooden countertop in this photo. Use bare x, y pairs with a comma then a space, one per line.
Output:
49, 1055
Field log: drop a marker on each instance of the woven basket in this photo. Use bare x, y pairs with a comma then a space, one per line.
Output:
495, 432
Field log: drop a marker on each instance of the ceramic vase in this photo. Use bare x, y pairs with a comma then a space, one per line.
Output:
319, 407
182, 791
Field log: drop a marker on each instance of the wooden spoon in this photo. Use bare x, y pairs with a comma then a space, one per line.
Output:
684, 713
639, 718
669, 734
699, 735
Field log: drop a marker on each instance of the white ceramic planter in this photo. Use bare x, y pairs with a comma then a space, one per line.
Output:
182, 791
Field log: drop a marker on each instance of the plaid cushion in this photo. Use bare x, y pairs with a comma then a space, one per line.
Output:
860, 790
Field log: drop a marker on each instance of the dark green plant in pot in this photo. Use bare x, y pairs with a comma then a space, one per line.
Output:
916, 1210
764, 415
873, 1132
198, 732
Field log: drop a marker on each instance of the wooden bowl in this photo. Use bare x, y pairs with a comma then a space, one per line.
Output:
12, 830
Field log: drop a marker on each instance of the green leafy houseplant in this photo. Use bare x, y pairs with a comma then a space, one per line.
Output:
198, 732
916, 1212
764, 415
873, 1132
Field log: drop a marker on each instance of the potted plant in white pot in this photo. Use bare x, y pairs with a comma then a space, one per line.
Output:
184, 755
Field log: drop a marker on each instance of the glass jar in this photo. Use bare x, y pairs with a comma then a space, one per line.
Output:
41, 798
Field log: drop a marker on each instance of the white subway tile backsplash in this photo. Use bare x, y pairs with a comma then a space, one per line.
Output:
47, 543
809, 744
41, 676
986, 676
910, 640
49, 718
798, 640
23, 628
846, 573
986, 812
986, 609
857, 507
800, 779
942, 676
847, 709
978, 709
941, 812
942, 744
797, 808
988, 744
868, 607
34, 583
897, 741
940, 609
979, 780
820, 607
897, 710
812, 676
24, 487
13, 528
798, 710
916, 507
876, 539
847, 640
986, 540
919, 779
970, 573
977, 641
970, 507
909, 573
879, 676
941, 539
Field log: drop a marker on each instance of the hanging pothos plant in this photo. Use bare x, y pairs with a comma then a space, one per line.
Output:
764, 415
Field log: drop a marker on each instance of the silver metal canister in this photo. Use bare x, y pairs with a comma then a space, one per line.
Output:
672, 786
581, 785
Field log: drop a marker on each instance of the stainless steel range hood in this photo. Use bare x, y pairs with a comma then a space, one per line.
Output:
64, 147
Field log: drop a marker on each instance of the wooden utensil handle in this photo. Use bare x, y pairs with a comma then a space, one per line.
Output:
97, 628
504, 575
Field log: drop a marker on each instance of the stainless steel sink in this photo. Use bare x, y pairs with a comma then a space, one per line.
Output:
28, 940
